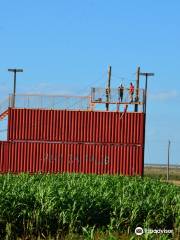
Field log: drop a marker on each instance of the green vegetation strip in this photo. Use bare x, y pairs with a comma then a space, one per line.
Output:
62, 204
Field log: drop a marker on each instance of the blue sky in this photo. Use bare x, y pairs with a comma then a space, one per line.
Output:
66, 46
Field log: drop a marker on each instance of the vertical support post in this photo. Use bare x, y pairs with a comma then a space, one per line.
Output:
109, 77
10, 101
14, 89
145, 100
146, 74
137, 89
108, 89
169, 144
15, 70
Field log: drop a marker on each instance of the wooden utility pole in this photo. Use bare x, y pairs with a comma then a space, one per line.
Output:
169, 144
108, 88
137, 89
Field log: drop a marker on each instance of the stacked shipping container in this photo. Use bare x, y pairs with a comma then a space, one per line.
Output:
76, 126
70, 157
73, 141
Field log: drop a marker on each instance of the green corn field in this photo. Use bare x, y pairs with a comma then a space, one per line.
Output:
55, 206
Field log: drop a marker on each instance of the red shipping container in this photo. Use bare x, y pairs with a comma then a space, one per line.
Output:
76, 126
4, 157
34, 157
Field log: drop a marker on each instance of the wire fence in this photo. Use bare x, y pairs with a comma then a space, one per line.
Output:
50, 101
114, 96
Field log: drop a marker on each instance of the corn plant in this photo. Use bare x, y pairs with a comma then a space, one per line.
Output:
61, 204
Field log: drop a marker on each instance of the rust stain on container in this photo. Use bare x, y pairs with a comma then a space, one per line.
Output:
76, 126
49, 157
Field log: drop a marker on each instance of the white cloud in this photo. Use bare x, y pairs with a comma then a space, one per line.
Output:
163, 96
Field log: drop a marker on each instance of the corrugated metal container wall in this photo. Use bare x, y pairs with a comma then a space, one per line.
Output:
4, 151
76, 126
36, 157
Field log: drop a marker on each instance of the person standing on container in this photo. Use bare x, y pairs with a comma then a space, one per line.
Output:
121, 92
131, 92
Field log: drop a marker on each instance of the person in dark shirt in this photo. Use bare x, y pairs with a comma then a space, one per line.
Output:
121, 92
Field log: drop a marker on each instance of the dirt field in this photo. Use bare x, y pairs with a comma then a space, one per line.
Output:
176, 182
161, 172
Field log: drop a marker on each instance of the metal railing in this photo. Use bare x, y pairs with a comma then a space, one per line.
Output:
98, 95
50, 101
116, 95
4, 105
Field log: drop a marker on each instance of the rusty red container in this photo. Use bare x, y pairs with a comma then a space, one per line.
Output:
4, 157
76, 126
51, 157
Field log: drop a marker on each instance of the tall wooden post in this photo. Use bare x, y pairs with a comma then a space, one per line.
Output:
137, 89
108, 89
